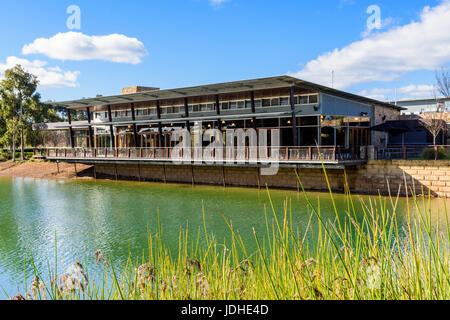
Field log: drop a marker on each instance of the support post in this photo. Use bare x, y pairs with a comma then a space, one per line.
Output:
133, 118
186, 113
72, 140
219, 124
158, 113
91, 134
111, 128
252, 98
294, 118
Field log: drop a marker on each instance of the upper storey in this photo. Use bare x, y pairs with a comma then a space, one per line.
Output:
271, 97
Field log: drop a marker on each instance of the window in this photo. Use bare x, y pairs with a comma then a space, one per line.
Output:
248, 104
303, 100
241, 104
203, 107
284, 101
275, 102
211, 107
266, 102
314, 99
152, 111
225, 106
233, 105
196, 108
258, 103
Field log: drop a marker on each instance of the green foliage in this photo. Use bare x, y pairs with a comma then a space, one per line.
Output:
429, 154
20, 107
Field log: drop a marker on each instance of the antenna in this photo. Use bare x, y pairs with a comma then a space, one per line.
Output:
395, 95
332, 79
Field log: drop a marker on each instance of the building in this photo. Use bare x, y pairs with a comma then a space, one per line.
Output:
304, 112
424, 105
133, 132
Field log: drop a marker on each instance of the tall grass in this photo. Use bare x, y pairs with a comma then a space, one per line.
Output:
357, 255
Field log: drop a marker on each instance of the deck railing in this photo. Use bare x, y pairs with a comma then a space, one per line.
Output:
247, 154
407, 152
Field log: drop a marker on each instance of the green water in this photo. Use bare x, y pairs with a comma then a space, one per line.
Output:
85, 216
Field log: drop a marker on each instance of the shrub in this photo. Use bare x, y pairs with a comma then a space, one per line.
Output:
428, 154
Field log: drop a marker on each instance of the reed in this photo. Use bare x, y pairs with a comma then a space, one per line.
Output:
354, 256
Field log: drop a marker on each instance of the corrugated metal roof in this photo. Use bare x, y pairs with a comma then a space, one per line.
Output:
214, 89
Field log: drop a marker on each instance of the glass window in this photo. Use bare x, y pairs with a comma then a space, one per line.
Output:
308, 121
303, 100
258, 103
284, 101
225, 105
266, 102
210, 107
275, 102
233, 105
190, 108
248, 104
314, 99
203, 107
241, 104
196, 108
152, 111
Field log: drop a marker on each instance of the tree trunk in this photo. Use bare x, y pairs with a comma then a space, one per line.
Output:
435, 148
14, 147
22, 154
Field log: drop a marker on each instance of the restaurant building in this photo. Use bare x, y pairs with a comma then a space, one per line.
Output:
316, 123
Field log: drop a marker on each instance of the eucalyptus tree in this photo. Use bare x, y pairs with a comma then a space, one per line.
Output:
20, 107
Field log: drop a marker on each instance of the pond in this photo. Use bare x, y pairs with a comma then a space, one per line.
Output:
116, 217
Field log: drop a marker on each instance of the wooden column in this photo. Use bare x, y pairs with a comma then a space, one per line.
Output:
186, 114
294, 118
133, 118
158, 113
319, 130
72, 140
91, 134
111, 128
219, 122
252, 98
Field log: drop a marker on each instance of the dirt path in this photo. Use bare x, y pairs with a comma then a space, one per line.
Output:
44, 170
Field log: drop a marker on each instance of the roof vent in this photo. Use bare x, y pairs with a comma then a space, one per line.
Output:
137, 89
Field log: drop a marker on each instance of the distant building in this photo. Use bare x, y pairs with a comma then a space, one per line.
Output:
424, 105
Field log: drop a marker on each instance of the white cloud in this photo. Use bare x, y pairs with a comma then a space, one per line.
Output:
217, 2
407, 92
78, 46
422, 45
384, 24
49, 77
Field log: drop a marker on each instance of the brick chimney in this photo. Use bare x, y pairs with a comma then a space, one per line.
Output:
137, 89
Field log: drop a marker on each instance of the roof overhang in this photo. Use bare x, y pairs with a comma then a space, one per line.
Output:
216, 89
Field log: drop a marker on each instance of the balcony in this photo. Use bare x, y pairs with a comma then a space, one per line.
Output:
248, 156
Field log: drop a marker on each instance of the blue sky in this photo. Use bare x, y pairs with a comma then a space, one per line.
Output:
181, 43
